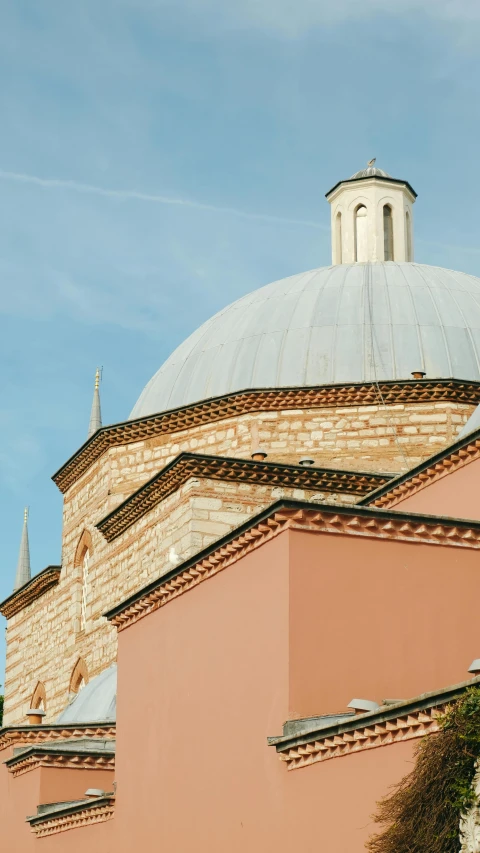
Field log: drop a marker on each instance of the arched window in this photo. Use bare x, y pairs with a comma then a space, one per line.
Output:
338, 237
361, 234
79, 676
39, 697
81, 563
408, 236
85, 562
387, 233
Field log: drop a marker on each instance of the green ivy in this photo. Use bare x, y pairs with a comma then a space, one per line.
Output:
422, 812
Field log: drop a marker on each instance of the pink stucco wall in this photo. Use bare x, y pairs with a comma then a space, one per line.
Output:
302, 624
456, 495
377, 619
298, 626
20, 795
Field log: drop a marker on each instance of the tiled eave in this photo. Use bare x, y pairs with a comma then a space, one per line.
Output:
267, 400
16, 735
298, 515
387, 725
466, 450
72, 815
51, 756
30, 591
187, 465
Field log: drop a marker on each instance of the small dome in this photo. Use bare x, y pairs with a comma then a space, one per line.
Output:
347, 323
96, 702
370, 172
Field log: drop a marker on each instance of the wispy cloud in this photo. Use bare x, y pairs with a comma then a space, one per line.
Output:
294, 19
154, 198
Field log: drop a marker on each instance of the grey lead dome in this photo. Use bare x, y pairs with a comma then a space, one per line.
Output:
345, 323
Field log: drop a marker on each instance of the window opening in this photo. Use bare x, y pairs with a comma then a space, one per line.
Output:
388, 233
361, 234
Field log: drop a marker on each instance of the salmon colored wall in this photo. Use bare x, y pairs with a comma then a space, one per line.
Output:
20, 796
456, 495
378, 619
202, 683
70, 784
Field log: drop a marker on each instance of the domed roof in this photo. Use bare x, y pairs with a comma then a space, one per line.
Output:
369, 172
96, 702
345, 323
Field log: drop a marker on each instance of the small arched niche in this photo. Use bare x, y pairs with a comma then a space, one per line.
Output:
84, 544
79, 677
387, 233
39, 697
361, 234
338, 238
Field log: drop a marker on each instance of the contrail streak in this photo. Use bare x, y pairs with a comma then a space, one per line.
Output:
126, 195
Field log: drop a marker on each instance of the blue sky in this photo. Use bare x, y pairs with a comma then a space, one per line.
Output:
160, 159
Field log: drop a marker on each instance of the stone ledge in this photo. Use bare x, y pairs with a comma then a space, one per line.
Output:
274, 400
11, 735
30, 591
387, 725
187, 465
61, 816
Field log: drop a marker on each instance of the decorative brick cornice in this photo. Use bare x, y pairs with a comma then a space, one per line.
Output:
434, 468
364, 737
388, 725
299, 515
187, 465
30, 591
73, 817
16, 735
20, 764
267, 400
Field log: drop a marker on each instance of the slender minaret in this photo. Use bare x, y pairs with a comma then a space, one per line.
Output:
96, 413
23, 566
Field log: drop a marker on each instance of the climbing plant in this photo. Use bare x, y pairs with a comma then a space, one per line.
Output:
421, 814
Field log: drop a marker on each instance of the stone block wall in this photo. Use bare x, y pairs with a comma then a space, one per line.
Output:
46, 640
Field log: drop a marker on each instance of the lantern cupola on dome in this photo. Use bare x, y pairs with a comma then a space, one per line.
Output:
372, 218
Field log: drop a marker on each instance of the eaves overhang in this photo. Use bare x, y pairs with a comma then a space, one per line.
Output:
30, 591
228, 469
378, 179
262, 399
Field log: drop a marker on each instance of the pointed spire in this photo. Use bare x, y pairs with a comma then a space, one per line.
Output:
23, 566
96, 413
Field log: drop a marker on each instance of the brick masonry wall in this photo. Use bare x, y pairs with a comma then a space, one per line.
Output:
45, 640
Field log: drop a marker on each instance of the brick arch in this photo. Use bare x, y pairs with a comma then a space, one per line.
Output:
84, 544
79, 674
39, 697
